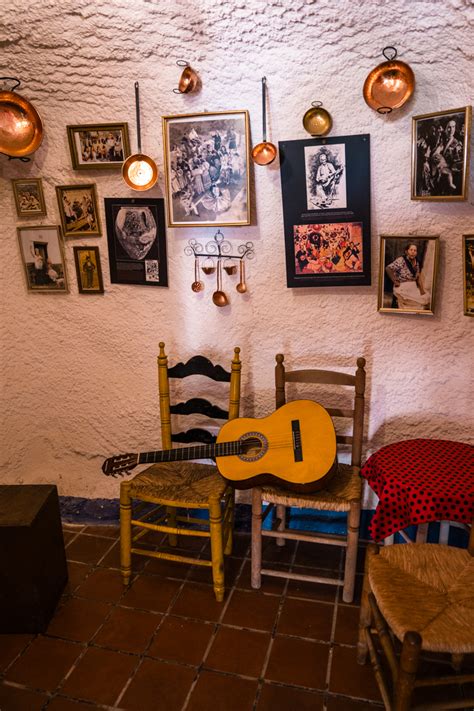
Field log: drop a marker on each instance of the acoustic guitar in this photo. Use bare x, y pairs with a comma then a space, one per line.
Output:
294, 447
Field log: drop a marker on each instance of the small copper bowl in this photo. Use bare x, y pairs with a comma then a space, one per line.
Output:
389, 85
21, 129
188, 80
317, 121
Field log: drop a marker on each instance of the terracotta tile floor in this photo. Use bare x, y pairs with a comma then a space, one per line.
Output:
166, 644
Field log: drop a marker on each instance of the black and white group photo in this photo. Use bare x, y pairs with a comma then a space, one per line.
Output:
440, 141
207, 166
325, 177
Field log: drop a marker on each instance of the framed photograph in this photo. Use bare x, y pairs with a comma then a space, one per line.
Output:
88, 270
407, 278
29, 198
207, 169
42, 254
468, 273
99, 145
440, 155
136, 238
78, 210
326, 210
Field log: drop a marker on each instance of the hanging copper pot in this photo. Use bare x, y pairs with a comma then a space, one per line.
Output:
390, 84
21, 129
188, 80
317, 121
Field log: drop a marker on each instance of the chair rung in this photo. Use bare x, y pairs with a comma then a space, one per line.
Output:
171, 556
172, 529
334, 540
300, 576
452, 679
445, 705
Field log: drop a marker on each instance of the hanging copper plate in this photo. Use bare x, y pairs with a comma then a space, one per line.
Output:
140, 172
21, 129
389, 85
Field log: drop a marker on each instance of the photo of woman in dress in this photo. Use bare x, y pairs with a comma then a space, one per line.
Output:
407, 279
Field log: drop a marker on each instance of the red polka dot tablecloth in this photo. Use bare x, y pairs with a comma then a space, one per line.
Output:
418, 481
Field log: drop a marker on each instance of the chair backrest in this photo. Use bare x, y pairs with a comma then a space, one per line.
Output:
197, 365
330, 378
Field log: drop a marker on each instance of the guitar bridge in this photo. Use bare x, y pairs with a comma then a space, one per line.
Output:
297, 446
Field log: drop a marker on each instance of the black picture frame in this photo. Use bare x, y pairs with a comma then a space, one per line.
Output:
131, 260
326, 212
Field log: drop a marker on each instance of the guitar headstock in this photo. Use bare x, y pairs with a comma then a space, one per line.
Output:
120, 464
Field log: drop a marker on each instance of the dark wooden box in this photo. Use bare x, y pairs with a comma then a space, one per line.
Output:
33, 569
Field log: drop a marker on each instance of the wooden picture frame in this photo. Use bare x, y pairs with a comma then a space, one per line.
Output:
78, 209
136, 237
440, 155
407, 273
29, 197
88, 270
468, 274
207, 169
98, 145
326, 210
42, 255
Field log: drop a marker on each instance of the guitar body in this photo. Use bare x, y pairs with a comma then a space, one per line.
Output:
294, 447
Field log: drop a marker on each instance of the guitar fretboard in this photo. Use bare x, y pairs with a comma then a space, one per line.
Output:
203, 451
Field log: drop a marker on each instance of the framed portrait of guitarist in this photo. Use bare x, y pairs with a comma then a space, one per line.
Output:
326, 207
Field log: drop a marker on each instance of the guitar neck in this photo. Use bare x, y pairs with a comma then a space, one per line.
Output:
203, 451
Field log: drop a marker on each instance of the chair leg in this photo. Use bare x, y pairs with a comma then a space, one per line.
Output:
171, 518
365, 614
125, 532
256, 575
229, 532
217, 550
407, 672
353, 520
281, 516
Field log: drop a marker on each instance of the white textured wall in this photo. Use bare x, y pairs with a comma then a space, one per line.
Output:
78, 372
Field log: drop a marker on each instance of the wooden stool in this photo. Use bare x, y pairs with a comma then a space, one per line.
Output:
33, 570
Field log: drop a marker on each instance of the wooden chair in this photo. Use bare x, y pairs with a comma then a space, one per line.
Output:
422, 595
172, 486
342, 493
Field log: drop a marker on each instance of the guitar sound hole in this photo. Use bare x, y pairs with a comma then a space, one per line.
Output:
254, 447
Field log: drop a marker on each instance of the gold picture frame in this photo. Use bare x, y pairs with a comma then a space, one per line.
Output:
207, 166
468, 274
78, 209
29, 197
42, 255
98, 145
440, 155
88, 270
407, 274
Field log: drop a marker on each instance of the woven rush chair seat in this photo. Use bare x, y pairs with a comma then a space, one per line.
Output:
431, 592
337, 495
188, 482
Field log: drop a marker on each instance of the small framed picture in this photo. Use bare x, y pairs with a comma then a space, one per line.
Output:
440, 155
207, 169
325, 187
88, 270
42, 254
407, 278
78, 210
101, 145
136, 239
29, 198
468, 273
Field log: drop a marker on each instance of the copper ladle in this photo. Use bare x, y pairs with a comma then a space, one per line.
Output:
264, 153
219, 297
242, 286
197, 285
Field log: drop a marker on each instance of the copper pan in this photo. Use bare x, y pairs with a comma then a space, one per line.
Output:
188, 80
21, 129
390, 84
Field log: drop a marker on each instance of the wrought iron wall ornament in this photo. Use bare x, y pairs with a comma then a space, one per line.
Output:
217, 254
